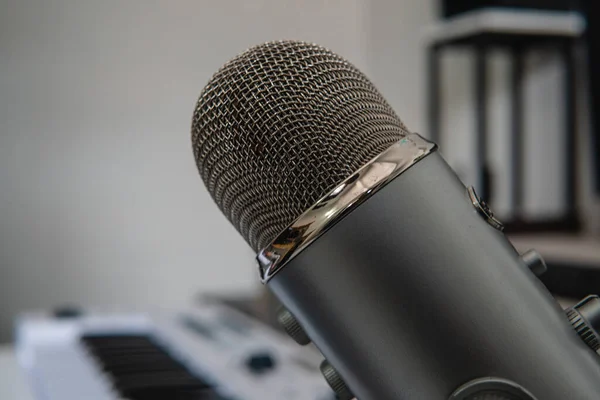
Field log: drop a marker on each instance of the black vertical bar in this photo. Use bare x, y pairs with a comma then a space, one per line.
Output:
517, 138
570, 134
591, 11
433, 96
481, 122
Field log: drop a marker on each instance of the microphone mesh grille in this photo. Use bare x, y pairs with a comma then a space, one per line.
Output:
279, 126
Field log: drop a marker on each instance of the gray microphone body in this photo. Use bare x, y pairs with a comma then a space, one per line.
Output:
414, 294
399, 274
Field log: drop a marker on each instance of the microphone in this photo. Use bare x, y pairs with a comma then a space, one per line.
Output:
399, 274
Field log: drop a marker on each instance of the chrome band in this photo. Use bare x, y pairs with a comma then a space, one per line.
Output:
343, 199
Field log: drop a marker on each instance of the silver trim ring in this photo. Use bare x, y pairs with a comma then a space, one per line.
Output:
483, 209
340, 201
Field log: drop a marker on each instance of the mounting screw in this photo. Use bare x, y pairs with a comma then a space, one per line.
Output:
335, 381
585, 319
292, 326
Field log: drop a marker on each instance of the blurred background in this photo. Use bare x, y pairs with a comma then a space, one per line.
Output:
100, 200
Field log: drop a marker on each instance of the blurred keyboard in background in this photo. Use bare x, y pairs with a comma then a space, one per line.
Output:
210, 352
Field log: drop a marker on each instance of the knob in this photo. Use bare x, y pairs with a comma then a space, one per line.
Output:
259, 363
534, 262
292, 326
335, 381
67, 312
585, 319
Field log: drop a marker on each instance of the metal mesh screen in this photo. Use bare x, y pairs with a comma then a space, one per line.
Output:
281, 125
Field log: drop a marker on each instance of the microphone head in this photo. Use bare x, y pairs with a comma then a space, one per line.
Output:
280, 126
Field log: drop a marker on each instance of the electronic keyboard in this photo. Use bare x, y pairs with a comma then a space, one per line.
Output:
209, 352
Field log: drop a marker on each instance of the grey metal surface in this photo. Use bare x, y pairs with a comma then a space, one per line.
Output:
413, 294
279, 126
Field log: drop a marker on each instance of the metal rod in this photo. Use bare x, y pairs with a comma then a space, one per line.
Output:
517, 137
481, 122
570, 134
433, 98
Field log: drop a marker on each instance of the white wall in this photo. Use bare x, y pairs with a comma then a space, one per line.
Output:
396, 55
100, 200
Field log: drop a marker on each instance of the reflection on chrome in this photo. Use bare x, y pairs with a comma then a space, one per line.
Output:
340, 201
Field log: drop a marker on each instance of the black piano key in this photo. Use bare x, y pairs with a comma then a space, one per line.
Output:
139, 368
130, 369
106, 352
157, 378
183, 394
115, 341
171, 382
141, 359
